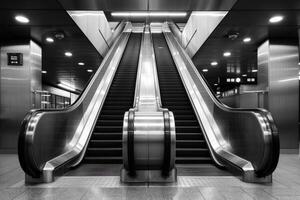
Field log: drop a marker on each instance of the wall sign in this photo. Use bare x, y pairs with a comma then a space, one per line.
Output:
15, 59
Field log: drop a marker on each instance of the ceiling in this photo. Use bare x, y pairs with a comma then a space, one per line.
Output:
109, 6
147, 5
47, 18
247, 19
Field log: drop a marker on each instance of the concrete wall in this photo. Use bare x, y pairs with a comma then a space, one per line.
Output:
17, 84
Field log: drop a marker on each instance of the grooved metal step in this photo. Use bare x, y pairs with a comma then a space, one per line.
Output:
191, 147
105, 145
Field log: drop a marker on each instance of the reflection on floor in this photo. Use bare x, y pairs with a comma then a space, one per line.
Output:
286, 185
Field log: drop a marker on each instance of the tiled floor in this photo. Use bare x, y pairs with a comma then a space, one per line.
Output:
286, 185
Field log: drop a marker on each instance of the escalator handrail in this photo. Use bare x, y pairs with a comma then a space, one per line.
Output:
271, 154
26, 152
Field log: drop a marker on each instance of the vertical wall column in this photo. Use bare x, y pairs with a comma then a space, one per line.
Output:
20, 75
278, 74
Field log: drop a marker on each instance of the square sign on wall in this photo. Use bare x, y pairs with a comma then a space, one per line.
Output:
15, 59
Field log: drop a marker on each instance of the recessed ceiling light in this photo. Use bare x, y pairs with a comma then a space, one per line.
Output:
237, 80
247, 39
244, 75
214, 63
276, 19
44, 72
254, 70
81, 63
227, 54
205, 70
49, 39
68, 54
216, 84
22, 19
89, 70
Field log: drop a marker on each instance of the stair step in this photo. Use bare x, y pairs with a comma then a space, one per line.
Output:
108, 129
106, 136
105, 144
190, 144
102, 160
193, 160
104, 152
109, 122
189, 136
188, 129
192, 152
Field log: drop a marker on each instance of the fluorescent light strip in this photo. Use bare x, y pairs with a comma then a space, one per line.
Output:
148, 14
67, 86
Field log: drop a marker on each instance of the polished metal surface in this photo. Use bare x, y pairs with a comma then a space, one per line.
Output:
17, 84
198, 28
262, 66
57, 139
244, 138
149, 125
96, 28
283, 96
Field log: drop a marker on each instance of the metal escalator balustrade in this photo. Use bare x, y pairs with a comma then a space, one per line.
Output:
190, 144
242, 139
105, 145
54, 140
148, 129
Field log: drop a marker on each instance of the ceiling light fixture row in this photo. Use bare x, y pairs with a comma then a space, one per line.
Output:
148, 14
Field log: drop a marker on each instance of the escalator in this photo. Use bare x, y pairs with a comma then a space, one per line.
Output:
105, 145
191, 147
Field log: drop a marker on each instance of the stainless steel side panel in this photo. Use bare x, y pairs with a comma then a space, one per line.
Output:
58, 138
149, 124
243, 138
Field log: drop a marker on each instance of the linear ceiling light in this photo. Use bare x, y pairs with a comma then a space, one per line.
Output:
148, 14
67, 86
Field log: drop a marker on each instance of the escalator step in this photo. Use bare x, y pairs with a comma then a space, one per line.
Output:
192, 152
104, 152
188, 129
101, 160
193, 160
191, 144
105, 144
191, 147
107, 136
